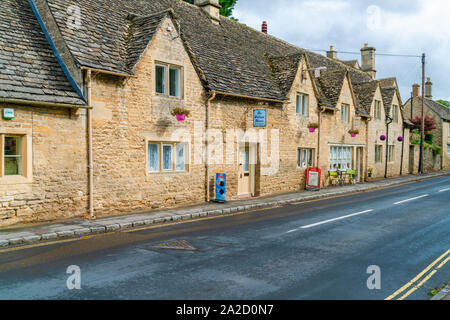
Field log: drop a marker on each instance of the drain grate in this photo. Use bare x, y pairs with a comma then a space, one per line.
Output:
176, 245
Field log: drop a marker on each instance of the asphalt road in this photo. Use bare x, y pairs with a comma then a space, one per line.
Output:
314, 250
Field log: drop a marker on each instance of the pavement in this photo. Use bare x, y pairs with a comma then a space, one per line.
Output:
26, 235
390, 243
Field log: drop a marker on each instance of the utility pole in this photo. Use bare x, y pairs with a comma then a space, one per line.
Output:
422, 131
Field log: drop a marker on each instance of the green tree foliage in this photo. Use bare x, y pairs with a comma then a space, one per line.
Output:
444, 102
227, 7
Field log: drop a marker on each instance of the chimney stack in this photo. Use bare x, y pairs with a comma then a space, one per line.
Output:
211, 7
332, 53
416, 90
264, 27
428, 89
368, 60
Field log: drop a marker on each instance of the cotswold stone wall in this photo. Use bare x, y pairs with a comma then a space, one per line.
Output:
56, 182
377, 127
431, 161
335, 132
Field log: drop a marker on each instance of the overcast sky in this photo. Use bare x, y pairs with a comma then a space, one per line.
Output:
409, 27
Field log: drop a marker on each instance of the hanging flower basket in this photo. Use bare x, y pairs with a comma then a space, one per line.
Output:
180, 113
400, 139
382, 137
353, 132
313, 126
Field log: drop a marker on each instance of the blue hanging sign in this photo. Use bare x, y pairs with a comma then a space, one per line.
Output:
259, 117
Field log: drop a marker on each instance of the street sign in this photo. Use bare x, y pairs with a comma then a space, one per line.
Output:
8, 114
259, 117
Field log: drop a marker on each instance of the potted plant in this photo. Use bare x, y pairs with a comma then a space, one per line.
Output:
370, 172
180, 113
382, 137
313, 126
353, 132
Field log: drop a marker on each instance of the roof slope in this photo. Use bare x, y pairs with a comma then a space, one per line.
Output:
441, 110
365, 93
28, 67
232, 57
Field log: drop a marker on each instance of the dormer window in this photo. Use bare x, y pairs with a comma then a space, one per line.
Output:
395, 113
172, 87
345, 112
302, 105
377, 110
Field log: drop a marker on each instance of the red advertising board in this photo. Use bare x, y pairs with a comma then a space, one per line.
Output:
313, 176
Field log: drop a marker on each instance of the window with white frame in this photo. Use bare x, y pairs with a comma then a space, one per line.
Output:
12, 155
341, 157
391, 153
345, 108
377, 110
395, 114
167, 157
378, 153
448, 148
302, 105
172, 87
305, 158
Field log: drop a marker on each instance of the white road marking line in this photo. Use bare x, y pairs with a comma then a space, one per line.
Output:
444, 190
419, 197
339, 218
290, 231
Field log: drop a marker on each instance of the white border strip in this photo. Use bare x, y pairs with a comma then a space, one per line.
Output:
335, 219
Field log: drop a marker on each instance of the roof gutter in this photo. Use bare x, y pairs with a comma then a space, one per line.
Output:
248, 97
107, 72
43, 103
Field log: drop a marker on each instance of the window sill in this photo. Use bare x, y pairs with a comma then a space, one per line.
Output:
9, 180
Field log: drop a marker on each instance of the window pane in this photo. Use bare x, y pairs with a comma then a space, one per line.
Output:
246, 159
305, 105
180, 157
297, 107
310, 157
160, 79
153, 157
298, 158
174, 82
167, 157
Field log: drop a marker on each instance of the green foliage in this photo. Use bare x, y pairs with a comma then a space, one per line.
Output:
180, 111
227, 7
314, 125
437, 150
429, 137
444, 102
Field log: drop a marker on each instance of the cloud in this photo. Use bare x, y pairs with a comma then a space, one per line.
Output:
399, 27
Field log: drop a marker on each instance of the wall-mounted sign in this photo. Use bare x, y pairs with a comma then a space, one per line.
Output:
259, 117
8, 114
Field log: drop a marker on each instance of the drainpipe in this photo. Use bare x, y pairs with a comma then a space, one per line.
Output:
208, 103
90, 152
322, 110
403, 147
388, 122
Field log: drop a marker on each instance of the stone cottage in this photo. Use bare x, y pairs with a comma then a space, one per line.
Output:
96, 83
440, 136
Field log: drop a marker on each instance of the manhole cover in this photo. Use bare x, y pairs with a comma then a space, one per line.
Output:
176, 245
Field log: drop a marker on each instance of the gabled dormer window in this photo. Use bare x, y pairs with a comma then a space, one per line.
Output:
172, 87
377, 110
395, 113
302, 105
345, 113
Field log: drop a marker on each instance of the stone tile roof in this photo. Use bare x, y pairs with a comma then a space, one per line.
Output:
232, 57
441, 110
365, 93
28, 67
140, 33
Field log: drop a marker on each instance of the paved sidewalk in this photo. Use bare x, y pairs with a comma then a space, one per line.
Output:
444, 294
78, 228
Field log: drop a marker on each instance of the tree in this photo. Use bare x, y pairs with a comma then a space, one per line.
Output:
444, 102
227, 7
430, 123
